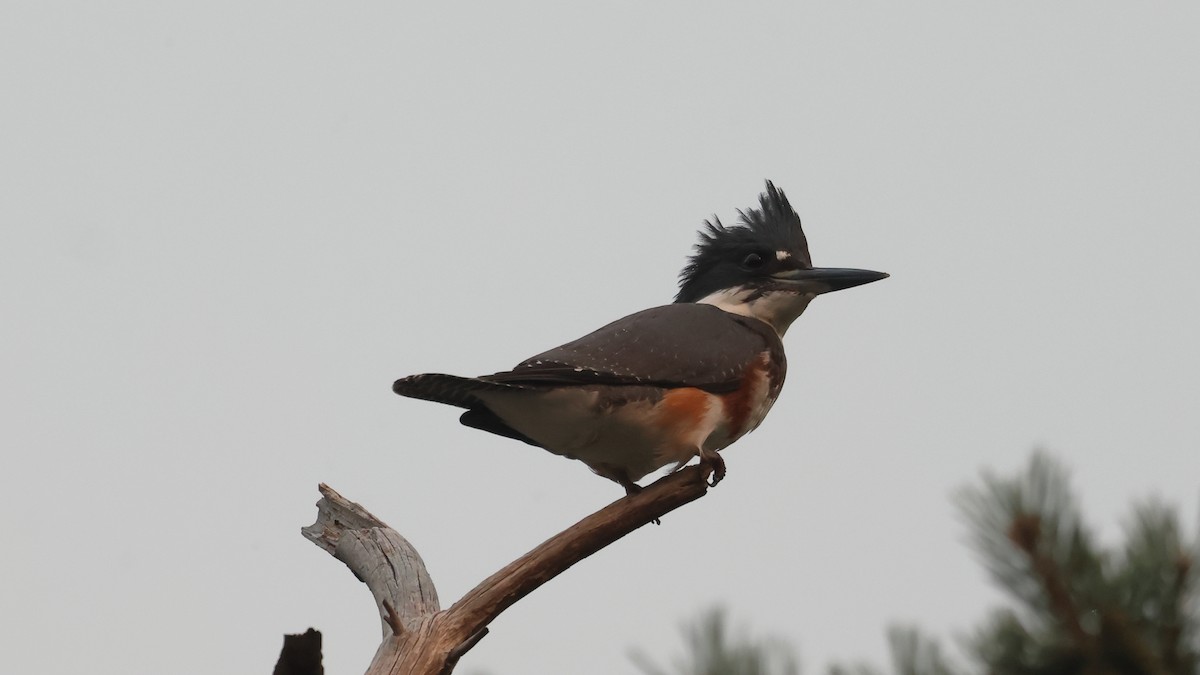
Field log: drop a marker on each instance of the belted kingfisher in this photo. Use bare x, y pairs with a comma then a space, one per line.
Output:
670, 383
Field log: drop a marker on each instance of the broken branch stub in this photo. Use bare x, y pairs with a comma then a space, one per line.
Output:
419, 637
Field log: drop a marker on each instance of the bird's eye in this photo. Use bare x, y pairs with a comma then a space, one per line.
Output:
752, 261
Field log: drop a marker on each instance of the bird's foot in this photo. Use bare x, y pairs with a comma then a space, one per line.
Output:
713, 460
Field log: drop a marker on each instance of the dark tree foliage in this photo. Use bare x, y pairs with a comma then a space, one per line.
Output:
714, 649
1078, 608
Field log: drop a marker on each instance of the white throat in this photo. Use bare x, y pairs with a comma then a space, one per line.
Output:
777, 308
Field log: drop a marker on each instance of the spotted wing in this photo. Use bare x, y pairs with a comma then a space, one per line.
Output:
680, 345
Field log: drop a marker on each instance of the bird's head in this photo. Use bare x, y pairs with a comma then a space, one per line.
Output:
761, 266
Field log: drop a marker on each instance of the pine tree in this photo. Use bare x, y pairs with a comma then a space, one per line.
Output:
1080, 609
1077, 608
714, 649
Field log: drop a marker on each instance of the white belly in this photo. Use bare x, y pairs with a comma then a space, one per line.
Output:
577, 423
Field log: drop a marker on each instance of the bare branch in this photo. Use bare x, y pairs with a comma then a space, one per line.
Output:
521, 577
335, 514
382, 559
418, 638
457, 652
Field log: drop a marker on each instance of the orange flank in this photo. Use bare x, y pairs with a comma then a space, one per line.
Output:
683, 408
740, 402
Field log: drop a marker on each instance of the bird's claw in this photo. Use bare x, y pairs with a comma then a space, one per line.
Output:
713, 460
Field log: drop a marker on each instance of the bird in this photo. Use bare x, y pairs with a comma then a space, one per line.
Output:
671, 383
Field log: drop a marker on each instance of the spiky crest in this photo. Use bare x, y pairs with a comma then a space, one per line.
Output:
773, 226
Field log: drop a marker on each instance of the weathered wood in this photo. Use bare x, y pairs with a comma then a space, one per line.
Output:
382, 559
421, 639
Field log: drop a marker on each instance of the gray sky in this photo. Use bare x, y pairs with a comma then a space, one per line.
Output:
226, 228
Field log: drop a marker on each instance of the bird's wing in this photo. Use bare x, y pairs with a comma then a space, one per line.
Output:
675, 345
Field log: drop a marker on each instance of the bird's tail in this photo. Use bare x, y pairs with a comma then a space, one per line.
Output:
449, 389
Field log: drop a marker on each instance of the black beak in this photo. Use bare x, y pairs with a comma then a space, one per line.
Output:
827, 279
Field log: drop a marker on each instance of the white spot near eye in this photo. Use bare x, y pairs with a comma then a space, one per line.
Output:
782, 255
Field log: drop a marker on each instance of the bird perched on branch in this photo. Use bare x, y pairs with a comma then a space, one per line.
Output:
670, 383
